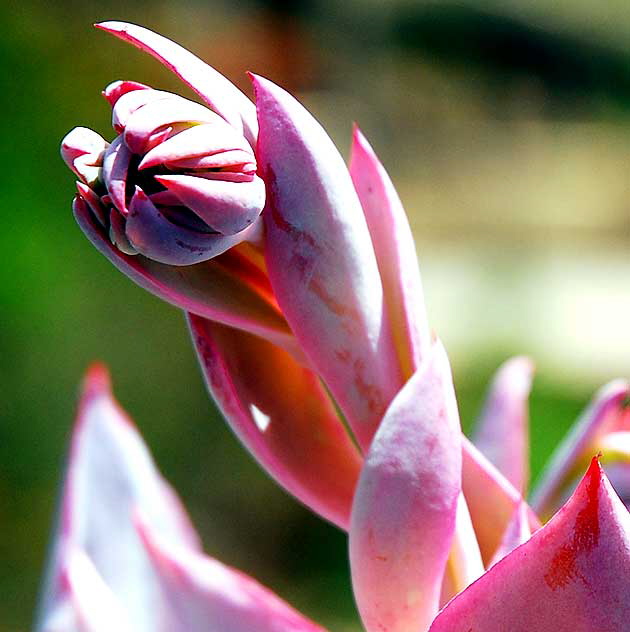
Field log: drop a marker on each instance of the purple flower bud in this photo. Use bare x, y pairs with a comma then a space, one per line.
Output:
177, 185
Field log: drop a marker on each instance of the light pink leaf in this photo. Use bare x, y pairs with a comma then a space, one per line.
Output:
206, 595
210, 289
464, 563
283, 415
573, 575
321, 261
502, 432
608, 412
395, 253
517, 533
403, 516
110, 475
491, 500
222, 95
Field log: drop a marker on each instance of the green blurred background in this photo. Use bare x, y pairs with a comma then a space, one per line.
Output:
504, 124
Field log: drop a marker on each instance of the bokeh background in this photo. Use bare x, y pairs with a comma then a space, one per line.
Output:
505, 125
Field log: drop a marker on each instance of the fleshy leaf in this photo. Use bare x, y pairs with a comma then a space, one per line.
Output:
207, 595
517, 533
321, 261
395, 253
502, 432
209, 289
283, 415
608, 412
110, 475
573, 575
464, 563
403, 515
222, 95
491, 500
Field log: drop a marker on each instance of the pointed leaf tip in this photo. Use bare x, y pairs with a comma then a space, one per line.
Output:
572, 575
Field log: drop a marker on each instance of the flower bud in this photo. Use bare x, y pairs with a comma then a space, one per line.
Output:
177, 185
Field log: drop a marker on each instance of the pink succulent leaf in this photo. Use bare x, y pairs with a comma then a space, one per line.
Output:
464, 563
117, 89
227, 207
152, 233
110, 475
517, 533
82, 150
321, 261
160, 113
502, 432
403, 515
116, 162
491, 500
222, 95
208, 139
395, 253
207, 289
89, 605
607, 413
573, 575
283, 416
207, 595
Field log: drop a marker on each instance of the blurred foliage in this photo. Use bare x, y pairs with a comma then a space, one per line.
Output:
434, 85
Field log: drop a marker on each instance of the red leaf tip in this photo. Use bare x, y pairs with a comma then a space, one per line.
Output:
96, 381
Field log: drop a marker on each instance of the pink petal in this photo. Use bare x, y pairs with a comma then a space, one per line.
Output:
197, 141
502, 432
117, 89
110, 475
395, 253
208, 289
491, 500
403, 516
115, 167
227, 207
606, 413
159, 114
517, 533
283, 415
573, 575
82, 150
321, 261
152, 234
206, 595
464, 563
222, 96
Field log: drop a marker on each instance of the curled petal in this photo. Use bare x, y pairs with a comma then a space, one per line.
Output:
222, 95
227, 207
503, 429
158, 114
321, 261
573, 575
283, 415
395, 253
82, 150
117, 89
210, 289
153, 235
210, 140
131, 101
607, 412
207, 595
115, 167
403, 515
